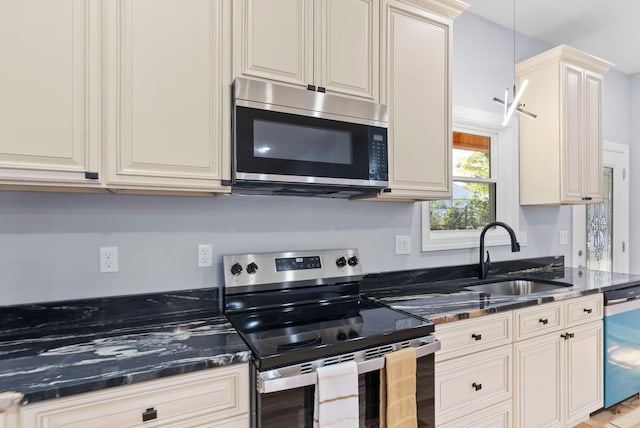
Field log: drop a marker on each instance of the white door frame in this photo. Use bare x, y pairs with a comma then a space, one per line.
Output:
616, 156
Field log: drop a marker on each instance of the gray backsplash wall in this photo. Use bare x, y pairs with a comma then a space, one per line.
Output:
49, 241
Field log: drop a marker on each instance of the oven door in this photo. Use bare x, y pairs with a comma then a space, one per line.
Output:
289, 402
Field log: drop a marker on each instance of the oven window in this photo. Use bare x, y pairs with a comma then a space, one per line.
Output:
277, 140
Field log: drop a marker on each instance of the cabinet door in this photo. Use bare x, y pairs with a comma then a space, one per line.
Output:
49, 107
274, 40
169, 100
418, 95
538, 377
572, 149
592, 137
584, 371
348, 42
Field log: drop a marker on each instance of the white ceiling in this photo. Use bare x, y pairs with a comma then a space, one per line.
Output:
607, 29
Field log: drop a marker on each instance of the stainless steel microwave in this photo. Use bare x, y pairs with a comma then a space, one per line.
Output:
292, 141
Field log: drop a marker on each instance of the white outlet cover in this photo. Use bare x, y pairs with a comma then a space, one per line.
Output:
205, 255
403, 244
108, 259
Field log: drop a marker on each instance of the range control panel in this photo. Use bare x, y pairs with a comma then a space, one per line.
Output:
253, 270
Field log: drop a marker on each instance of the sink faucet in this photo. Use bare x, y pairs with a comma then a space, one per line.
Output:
515, 246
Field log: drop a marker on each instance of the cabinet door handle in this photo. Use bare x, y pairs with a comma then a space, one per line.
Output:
588, 310
477, 386
567, 336
322, 89
149, 414
544, 321
587, 198
476, 336
311, 87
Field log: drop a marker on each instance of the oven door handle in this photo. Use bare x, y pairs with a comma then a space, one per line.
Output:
307, 379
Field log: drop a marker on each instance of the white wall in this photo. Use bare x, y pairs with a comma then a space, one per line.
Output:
49, 241
634, 175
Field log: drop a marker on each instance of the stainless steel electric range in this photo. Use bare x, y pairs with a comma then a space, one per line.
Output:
298, 311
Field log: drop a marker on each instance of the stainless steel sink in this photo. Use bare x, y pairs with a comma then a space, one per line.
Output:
517, 287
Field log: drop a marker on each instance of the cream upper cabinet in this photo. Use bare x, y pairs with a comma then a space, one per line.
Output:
50, 102
330, 44
560, 150
167, 85
416, 86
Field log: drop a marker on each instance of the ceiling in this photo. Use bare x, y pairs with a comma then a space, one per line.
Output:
606, 29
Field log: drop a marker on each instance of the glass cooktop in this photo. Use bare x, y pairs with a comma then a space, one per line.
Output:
296, 334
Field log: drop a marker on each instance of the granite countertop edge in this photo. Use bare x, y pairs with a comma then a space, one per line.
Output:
448, 301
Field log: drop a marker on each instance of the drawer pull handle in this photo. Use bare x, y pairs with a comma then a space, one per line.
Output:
477, 386
588, 310
149, 414
476, 336
567, 336
544, 321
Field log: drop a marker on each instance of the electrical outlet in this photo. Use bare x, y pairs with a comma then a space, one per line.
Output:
564, 237
403, 244
108, 259
205, 258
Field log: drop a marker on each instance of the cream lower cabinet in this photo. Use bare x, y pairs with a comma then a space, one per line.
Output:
49, 107
9, 418
416, 86
565, 91
473, 372
333, 44
559, 373
211, 398
167, 105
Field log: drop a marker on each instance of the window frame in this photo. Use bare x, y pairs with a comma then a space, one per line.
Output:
504, 164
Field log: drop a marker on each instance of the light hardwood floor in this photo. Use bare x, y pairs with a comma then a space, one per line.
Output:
623, 415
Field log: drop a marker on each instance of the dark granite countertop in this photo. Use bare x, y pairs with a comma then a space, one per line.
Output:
439, 295
62, 348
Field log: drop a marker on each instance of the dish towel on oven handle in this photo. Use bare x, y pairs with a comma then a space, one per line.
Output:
336, 397
398, 407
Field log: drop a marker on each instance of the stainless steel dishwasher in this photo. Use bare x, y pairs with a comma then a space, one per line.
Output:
621, 344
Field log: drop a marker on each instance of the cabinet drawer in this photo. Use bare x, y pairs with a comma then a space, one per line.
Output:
473, 335
537, 320
498, 416
185, 400
468, 384
584, 309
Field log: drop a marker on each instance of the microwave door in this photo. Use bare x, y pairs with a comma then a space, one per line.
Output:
285, 147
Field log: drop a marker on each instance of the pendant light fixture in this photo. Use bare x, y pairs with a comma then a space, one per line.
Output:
514, 105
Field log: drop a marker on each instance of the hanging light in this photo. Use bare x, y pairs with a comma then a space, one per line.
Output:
515, 105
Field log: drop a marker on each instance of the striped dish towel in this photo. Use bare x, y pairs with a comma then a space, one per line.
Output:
398, 407
336, 400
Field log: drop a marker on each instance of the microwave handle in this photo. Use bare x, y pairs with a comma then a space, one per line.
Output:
307, 379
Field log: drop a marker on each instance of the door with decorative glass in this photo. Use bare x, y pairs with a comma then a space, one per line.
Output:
601, 231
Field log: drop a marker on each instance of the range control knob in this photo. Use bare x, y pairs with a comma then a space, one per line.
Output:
341, 336
353, 334
236, 269
252, 268
353, 261
341, 262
